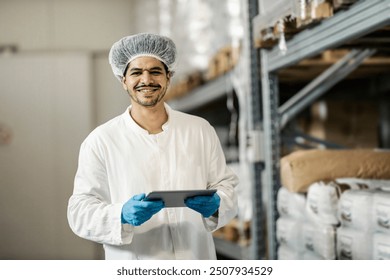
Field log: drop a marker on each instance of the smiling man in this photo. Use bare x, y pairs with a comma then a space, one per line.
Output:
146, 81
150, 147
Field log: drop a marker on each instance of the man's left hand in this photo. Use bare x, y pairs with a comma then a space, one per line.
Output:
206, 205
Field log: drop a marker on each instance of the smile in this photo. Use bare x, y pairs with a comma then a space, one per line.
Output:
147, 90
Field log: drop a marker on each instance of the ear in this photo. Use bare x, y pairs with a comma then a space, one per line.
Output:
169, 75
124, 83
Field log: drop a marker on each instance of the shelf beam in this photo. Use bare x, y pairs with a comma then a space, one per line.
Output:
322, 84
362, 18
204, 95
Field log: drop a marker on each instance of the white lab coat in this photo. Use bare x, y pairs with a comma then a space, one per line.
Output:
119, 159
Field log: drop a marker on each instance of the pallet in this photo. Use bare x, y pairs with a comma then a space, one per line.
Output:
222, 62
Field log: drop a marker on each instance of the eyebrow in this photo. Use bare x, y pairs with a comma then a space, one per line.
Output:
151, 69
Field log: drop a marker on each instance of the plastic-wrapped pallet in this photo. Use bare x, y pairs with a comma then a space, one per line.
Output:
320, 239
322, 203
342, 3
381, 246
354, 244
271, 13
273, 10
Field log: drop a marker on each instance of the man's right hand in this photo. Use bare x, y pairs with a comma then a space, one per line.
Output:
136, 211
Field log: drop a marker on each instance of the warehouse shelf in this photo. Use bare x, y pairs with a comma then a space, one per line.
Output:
362, 18
204, 94
231, 250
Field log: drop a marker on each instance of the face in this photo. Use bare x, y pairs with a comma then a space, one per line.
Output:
146, 81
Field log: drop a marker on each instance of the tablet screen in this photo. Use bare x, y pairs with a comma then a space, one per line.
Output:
176, 198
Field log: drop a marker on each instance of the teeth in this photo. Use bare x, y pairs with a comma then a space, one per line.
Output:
146, 90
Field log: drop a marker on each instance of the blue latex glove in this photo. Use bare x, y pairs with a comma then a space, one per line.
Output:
206, 205
136, 211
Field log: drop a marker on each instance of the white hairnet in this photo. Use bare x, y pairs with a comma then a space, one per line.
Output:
145, 44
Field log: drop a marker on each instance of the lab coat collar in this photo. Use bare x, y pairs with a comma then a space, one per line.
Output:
129, 121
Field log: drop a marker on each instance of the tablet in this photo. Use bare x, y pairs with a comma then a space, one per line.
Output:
176, 198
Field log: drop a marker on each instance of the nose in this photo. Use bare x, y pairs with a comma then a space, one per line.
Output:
146, 78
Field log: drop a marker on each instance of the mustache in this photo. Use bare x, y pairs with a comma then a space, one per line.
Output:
145, 86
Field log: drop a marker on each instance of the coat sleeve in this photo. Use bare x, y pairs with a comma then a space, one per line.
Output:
90, 212
223, 179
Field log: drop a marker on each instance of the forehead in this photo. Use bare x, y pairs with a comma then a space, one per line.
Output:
146, 62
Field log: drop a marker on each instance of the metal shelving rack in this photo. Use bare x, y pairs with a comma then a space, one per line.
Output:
201, 96
360, 19
204, 94
212, 91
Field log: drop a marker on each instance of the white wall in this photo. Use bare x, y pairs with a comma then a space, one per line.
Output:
65, 24
79, 25
54, 91
110, 97
45, 104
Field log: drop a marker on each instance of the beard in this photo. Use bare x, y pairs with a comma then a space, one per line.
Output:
147, 99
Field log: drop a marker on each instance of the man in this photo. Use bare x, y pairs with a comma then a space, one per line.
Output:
150, 147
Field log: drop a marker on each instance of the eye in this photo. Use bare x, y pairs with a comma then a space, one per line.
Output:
156, 73
137, 73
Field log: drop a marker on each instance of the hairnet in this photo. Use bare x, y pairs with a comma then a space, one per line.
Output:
130, 47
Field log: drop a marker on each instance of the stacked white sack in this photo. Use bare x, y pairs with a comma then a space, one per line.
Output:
289, 233
381, 212
321, 211
320, 239
358, 183
381, 225
353, 244
291, 208
322, 203
355, 209
291, 204
381, 246
310, 255
285, 253
354, 237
